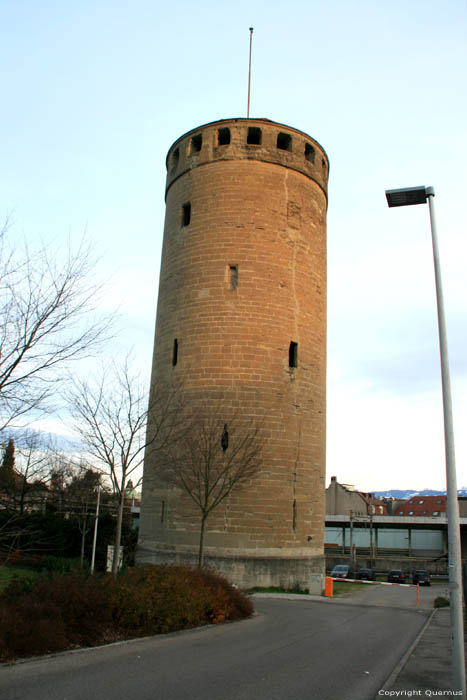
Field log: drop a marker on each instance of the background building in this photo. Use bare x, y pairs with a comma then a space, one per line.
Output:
388, 533
344, 498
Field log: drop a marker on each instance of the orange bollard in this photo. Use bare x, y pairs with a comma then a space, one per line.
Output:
418, 594
328, 586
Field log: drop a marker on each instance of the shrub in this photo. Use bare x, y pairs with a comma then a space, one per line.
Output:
238, 605
441, 602
154, 599
62, 565
51, 613
61, 611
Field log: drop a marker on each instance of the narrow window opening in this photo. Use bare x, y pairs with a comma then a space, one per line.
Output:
309, 152
254, 136
162, 511
175, 159
284, 141
294, 514
233, 276
323, 163
186, 214
175, 352
293, 354
223, 136
196, 143
225, 438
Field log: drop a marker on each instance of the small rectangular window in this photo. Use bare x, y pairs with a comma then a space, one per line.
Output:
175, 159
196, 143
293, 354
175, 352
254, 135
284, 141
309, 152
186, 214
223, 136
233, 277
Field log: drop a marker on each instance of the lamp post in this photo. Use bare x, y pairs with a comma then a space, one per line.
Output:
401, 198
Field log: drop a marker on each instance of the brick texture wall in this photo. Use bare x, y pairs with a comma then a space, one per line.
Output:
243, 275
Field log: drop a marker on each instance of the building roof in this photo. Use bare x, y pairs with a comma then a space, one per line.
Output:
428, 506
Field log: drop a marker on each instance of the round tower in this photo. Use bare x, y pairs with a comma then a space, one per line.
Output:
241, 324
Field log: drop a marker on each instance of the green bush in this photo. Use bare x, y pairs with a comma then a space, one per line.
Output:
441, 602
61, 611
61, 565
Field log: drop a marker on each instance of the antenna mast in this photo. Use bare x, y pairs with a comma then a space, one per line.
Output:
249, 75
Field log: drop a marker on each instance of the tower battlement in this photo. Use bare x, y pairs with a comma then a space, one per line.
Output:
247, 139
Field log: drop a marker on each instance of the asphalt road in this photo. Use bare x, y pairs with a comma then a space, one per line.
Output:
291, 650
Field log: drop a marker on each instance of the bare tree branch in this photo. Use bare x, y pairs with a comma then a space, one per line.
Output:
48, 319
110, 414
37, 465
212, 460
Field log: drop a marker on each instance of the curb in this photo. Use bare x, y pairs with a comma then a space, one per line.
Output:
402, 662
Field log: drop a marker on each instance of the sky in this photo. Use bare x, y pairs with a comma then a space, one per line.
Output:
95, 92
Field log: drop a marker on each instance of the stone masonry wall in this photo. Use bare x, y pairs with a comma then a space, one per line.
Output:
243, 275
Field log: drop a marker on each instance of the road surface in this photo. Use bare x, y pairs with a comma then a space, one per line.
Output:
299, 649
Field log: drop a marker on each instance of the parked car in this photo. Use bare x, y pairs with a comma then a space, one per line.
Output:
421, 577
342, 571
366, 575
396, 576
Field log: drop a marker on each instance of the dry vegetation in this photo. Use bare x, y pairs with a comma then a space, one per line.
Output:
66, 611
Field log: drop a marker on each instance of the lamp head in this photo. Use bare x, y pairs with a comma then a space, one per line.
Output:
407, 196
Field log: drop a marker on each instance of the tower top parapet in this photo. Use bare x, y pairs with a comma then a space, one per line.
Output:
248, 139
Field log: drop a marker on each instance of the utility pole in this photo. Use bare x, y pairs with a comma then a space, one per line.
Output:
93, 558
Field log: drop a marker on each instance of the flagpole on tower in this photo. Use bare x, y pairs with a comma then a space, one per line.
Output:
249, 74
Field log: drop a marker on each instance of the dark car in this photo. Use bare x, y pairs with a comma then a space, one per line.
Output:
341, 571
396, 576
421, 577
366, 575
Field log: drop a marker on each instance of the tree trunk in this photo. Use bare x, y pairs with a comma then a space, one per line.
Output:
118, 533
83, 540
201, 543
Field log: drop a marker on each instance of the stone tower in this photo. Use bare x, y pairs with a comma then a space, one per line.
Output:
241, 319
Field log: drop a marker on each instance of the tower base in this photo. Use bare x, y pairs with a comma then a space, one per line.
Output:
288, 572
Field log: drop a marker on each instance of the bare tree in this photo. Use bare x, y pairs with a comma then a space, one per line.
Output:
81, 495
27, 481
110, 415
212, 460
38, 467
47, 320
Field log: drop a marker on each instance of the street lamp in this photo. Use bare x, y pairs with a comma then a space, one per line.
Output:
402, 198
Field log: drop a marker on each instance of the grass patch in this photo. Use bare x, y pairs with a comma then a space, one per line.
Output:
342, 588
8, 574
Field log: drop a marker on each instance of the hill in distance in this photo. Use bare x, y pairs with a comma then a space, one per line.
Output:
409, 493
